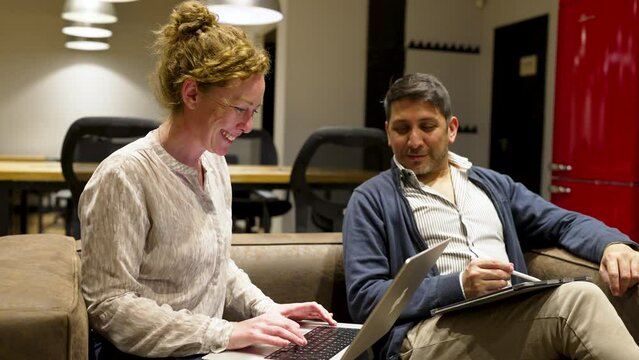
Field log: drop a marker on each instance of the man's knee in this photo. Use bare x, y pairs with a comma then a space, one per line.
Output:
582, 289
580, 296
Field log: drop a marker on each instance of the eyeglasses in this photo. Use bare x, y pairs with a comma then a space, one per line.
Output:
240, 110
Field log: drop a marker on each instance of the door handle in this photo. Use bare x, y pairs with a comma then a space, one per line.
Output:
583, 18
554, 189
560, 167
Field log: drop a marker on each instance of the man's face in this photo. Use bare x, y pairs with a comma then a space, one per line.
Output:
419, 136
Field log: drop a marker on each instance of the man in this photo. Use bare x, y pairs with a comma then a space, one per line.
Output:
431, 194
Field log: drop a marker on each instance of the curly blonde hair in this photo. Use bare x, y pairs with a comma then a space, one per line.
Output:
194, 45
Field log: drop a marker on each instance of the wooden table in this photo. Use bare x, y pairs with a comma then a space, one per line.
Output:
276, 175
46, 175
9, 157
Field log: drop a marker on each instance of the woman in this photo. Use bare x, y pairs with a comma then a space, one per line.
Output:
156, 216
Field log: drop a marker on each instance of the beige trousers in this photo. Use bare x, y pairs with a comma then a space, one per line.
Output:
574, 321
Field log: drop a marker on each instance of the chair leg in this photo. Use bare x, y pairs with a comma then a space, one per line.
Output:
265, 220
250, 222
24, 211
41, 208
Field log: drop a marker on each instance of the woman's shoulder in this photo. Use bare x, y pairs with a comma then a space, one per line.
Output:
129, 159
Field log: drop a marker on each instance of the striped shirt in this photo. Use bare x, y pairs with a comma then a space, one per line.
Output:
472, 223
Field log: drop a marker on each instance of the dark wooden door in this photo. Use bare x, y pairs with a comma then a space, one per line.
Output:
517, 119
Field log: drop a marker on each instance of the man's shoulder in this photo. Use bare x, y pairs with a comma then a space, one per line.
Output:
485, 174
383, 180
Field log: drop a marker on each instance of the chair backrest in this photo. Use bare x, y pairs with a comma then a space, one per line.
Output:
246, 148
331, 149
92, 139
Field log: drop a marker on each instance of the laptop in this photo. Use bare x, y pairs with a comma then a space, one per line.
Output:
358, 341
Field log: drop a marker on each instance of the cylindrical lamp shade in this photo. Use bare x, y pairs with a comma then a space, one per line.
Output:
119, 1
86, 45
86, 31
246, 12
89, 11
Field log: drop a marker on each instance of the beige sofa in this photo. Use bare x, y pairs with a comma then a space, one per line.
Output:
304, 267
42, 315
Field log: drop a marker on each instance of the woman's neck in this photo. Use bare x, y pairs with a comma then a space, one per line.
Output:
179, 142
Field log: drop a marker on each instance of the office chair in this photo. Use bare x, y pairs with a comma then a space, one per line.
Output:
256, 147
92, 139
331, 149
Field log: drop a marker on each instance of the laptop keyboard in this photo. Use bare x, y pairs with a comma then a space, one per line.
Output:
323, 342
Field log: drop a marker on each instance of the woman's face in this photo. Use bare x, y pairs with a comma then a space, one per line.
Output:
224, 113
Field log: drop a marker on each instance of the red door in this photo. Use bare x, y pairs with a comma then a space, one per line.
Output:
596, 125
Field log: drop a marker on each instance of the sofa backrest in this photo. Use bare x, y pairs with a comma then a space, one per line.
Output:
295, 267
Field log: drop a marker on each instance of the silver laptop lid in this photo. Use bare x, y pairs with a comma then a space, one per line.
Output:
397, 296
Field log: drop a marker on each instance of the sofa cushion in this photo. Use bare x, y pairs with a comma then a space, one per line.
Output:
42, 313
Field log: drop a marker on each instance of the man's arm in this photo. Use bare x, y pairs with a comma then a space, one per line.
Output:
539, 221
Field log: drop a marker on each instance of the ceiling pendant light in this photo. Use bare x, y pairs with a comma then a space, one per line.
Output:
119, 1
89, 11
86, 31
246, 12
87, 44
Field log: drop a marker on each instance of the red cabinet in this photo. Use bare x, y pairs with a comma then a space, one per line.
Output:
596, 125
616, 205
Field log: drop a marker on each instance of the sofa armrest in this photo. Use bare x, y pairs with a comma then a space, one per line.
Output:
553, 263
42, 312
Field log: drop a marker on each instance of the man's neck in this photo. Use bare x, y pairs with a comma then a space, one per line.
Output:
441, 182
437, 175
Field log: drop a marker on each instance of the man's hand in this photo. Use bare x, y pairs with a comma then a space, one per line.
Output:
619, 268
485, 276
277, 327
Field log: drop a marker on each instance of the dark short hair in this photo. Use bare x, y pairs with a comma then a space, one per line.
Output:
419, 86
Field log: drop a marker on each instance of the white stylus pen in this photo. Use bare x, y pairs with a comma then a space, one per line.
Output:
524, 276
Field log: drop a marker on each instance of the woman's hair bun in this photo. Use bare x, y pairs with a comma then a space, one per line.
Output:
191, 16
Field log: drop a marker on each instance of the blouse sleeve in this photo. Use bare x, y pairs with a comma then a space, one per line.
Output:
114, 229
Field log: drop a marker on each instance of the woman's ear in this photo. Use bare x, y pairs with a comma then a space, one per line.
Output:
189, 93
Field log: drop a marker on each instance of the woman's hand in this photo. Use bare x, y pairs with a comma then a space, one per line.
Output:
270, 328
305, 311
277, 327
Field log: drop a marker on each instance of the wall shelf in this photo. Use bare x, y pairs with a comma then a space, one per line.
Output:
467, 129
447, 47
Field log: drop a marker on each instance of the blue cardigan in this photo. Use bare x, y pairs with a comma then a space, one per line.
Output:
379, 234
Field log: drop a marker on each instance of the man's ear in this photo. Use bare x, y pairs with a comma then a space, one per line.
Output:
189, 93
453, 125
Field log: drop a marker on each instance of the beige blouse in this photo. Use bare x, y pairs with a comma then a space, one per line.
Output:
156, 271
